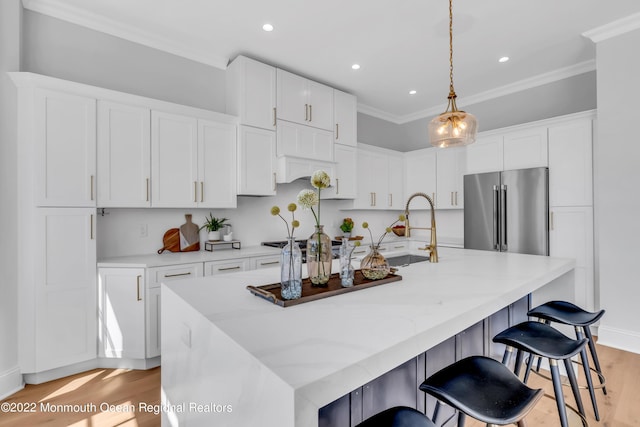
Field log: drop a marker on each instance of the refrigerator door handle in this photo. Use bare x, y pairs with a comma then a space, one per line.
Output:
503, 210
496, 218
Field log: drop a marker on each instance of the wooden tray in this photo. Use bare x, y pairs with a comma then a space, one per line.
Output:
272, 292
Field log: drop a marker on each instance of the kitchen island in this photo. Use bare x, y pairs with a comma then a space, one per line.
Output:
230, 358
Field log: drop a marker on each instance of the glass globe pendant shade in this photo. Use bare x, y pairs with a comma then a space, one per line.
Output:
452, 129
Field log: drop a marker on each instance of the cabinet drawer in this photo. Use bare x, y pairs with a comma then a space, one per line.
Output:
157, 275
222, 267
266, 261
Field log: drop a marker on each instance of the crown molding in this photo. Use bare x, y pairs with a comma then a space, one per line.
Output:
58, 9
613, 29
539, 80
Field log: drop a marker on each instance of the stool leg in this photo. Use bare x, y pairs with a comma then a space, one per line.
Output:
516, 368
557, 389
546, 322
461, 418
522, 423
436, 410
507, 355
587, 374
594, 356
529, 366
574, 385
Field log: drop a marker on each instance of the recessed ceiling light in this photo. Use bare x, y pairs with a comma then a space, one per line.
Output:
267, 27
412, 92
355, 66
503, 59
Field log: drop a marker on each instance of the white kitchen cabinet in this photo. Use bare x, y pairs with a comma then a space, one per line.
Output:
159, 275
345, 118
451, 167
571, 236
174, 160
526, 148
571, 163
122, 301
395, 174
304, 101
344, 179
192, 162
229, 266
64, 130
153, 313
256, 161
251, 92
486, 155
217, 165
380, 178
124, 155
265, 262
420, 174
303, 142
58, 290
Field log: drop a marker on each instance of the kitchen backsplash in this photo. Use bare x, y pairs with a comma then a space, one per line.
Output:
122, 232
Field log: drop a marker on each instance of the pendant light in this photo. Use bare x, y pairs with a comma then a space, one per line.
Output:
453, 127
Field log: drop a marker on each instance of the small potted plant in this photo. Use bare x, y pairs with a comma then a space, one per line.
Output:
346, 227
213, 226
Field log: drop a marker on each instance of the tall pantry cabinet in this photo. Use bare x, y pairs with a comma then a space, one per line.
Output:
56, 205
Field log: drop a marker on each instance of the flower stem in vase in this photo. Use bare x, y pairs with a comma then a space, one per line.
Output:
319, 258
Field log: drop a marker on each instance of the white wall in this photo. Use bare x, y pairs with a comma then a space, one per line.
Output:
10, 378
617, 196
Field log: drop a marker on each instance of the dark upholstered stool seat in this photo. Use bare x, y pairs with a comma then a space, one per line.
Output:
540, 339
484, 389
399, 416
570, 314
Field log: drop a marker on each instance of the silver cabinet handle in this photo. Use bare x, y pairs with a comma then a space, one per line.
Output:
195, 191
274, 181
337, 131
390, 199
177, 274
202, 191
451, 194
375, 199
91, 227
269, 263
399, 247
337, 185
371, 199
147, 189
551, 220
306, 112
274, 115
456, 198
237, 267
91, 184
360, 252
310, 112
138, 285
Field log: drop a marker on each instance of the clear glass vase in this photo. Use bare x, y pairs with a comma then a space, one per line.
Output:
319, 258
291, 270
374, 266
346, 269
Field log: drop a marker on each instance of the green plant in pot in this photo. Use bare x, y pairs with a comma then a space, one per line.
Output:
213, 226
346, 227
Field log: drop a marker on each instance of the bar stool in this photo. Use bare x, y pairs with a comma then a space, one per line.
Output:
398, 416
570, 314
484, 389
540, 339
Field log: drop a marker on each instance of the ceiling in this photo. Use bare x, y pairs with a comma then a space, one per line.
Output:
401, 45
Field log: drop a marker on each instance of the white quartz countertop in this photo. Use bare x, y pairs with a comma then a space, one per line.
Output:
174, 258
326, 348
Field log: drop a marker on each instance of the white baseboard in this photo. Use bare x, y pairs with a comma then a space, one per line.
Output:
10, 382
621, 339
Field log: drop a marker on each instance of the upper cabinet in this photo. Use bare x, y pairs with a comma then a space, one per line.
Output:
485, 155
217, 164
344, 180
345, 116
64, 131
251, 92
304, 101
256, 161
379, 178
451, 167
420, 173
304, 141
124, 155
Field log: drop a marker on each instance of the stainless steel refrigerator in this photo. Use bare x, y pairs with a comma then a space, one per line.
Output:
507, 211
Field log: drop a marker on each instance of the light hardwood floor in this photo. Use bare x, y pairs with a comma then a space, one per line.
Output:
619, 408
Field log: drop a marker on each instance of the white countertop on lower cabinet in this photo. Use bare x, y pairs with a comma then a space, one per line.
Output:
174, 258
277, 366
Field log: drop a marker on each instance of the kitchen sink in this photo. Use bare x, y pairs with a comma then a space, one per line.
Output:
404, 260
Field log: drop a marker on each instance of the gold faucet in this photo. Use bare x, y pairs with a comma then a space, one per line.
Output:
433, 245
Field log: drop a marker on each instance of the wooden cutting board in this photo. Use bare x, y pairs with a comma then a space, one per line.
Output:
189, 236
171, 241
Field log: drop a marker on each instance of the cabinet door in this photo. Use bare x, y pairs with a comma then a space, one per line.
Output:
304, 141
486, 155
420, 175
65, 287
256, 162
122, 312
251, 92
292, 99
217, 165
343, 183
571, 236
320, 106
153, 322
174, 154
65, 149
345, 112
450, 174
124, 155
370, 166
525, 149
398, 387
571, 164
395, 193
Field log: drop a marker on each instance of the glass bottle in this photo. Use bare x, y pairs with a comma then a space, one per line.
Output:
374, 265
319, 258
291, 270
346, 269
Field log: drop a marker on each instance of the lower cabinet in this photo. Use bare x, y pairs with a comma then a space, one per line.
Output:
230, 266
400, 385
